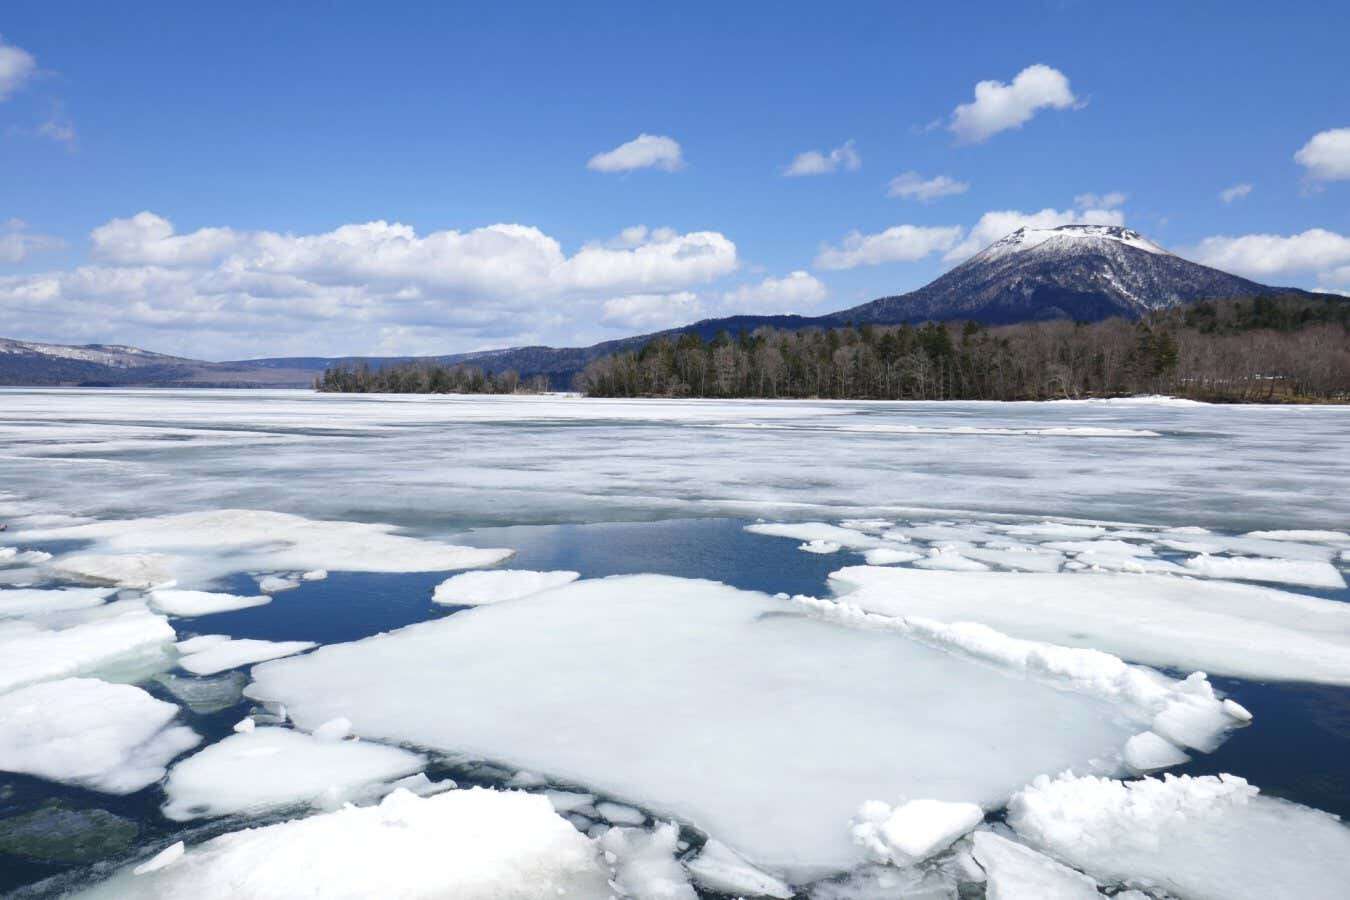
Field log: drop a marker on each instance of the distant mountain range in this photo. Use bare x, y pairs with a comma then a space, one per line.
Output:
1081, 272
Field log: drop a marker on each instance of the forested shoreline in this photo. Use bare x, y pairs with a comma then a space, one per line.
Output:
1243, 351
425, 378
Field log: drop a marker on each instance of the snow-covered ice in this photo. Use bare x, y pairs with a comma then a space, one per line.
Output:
887, 556
644, 863
110, 639
184, 604
198, 547
1231, 629
30, 601
819, 533
217, 656
265, 768
913, 831
719, 868
469, 845
275, 584
495, 585
1016, 872
701, 652
1307, 573
161, 860
1207, 838
114, 738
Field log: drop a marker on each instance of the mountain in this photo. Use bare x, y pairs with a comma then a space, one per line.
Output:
1081, 272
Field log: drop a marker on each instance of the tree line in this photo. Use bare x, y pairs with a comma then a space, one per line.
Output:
1268, 349
425, 378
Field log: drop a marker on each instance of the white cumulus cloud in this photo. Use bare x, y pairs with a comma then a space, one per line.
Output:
218, 291
17, 65
912, 185
1326, 156
651, 312
901, 243
1316, 252
1236, 192
998, 106
646, 151
814, 162
792, 293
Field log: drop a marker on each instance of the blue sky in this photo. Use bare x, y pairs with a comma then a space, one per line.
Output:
272, 126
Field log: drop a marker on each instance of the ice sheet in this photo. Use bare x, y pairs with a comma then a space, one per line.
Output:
477, 588
29, 601
116, 636
114, 738
701, 652
266, 768
230, 654
197, 547
1207, 838
1232, 629
200, 603
469, 845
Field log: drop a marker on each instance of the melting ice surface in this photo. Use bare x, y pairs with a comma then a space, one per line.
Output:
143, 525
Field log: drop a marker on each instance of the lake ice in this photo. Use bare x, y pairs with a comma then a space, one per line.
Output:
813, 609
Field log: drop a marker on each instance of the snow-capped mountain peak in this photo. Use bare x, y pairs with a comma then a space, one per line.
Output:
1069, 238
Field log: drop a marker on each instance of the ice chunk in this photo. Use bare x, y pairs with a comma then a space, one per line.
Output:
1015, 872
33, 601
719, 868
698, 651
13, 556
1021, 560
817, 531
161, 860
246, 725
1303, 535
114, 738
422, 786
333, 729
253, 771
1308, 573
949, 560
275, 584
141, 571
1147, 752
1102, 547
477, 588
314, 575
885, 556
822, 547
1195, 837
122, 635
1250, 546
199, 547
619, 814
644, 863
1230, 629
231, 654
205, 695
567, 801
200, 642
913, 831
200, 603
469, 845
1054, 530
887, 883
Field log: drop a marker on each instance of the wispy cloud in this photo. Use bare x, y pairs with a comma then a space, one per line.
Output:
814, 162
646, 151
913, 186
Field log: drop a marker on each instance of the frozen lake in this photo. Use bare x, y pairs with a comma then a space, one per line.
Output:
756, 619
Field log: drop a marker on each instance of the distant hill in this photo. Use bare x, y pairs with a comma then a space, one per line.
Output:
1082, 272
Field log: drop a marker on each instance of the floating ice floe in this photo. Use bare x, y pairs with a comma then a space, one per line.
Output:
912, 832
818, 532
205, 695
1248, 546
217, 655
275, 584
821, 547
267, 768
114, 738
949, 559
200, 603
36, 601
1307, 573
1016, 872
13, 556
719, 868
1230, 629
1302, 535
111, 640
470, 845
886, 556
199, 547
1202, 838
494, 586
701, 652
